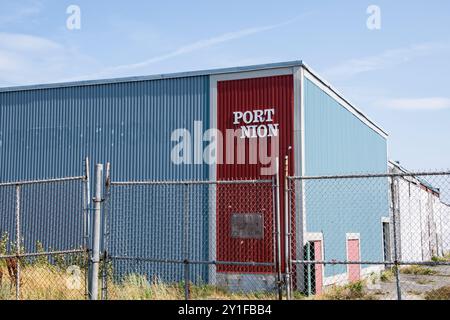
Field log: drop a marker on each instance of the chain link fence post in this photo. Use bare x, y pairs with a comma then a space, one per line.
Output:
95, 259
18, 242
394, 198
105, 255
86, 203
187, 289
86, 220
278, 230
287, 231
187, 279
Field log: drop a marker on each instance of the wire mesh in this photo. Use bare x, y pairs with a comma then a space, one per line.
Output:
213, 238
47, 276
382, 236
43, 251
371, 236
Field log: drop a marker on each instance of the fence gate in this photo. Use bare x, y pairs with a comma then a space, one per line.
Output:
192, 239
44, 239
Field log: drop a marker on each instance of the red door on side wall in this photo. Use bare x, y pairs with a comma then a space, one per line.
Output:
240, 96
353, 254
318, 267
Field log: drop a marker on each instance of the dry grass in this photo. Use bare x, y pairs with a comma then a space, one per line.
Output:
445, 258
387, 275
424, 281
442, 293
352, 291
42, 283
47, 282
135, 287
417, 270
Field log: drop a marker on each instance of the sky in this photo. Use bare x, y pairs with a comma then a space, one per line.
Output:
397, 74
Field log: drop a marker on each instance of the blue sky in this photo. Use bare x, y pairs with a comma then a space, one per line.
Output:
398, 75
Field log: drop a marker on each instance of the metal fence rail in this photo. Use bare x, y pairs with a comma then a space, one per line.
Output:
371, 236
44, 239
216, 236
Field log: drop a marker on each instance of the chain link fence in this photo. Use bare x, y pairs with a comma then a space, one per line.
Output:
169, 240
373, 236
43, 239
381, 236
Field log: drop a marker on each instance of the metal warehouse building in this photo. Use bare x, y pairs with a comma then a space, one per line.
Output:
48, 130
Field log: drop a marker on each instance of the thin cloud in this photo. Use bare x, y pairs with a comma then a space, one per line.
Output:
386, 59
26, 59
434, 103
195, 46
15, 13
23, 42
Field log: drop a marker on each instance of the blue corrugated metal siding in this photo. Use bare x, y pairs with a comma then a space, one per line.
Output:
47, 133
337, 142
7, 215
170, 222
51, 213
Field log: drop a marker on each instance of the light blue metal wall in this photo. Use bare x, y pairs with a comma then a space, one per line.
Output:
337, 142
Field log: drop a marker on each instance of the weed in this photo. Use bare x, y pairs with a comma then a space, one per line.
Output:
4, 241
351, 291
387, 275
444, 258
423, 281
417, 270
414, 292
137, 287
44, 283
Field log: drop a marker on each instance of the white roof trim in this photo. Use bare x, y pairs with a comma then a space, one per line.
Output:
273, 68
327, 88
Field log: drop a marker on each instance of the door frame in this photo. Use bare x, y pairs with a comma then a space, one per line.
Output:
386, 220
315, 237
353, 236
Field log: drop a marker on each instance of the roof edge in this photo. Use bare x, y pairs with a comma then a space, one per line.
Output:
206, 72
340, 95
185, 74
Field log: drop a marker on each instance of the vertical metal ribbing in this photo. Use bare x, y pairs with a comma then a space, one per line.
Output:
274, 226
394, 227
95, 259
18, 242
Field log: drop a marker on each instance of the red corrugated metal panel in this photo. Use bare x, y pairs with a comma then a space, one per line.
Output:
244, 199
277, 93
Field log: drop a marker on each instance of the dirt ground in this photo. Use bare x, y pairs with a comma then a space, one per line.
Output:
413, 287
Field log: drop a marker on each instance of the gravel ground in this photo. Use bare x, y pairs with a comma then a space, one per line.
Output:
413, 287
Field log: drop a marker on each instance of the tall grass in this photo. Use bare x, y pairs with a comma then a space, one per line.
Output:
137, 287
352, 291
418, 270
42, 282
